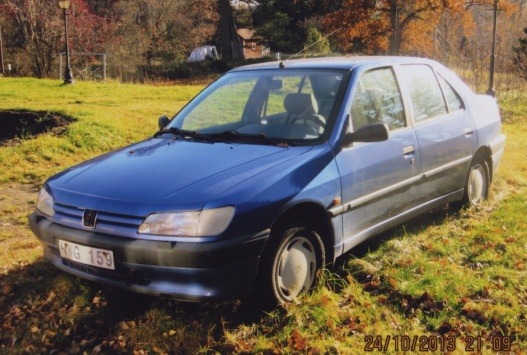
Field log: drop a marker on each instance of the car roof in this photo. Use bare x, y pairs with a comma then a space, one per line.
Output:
345, 62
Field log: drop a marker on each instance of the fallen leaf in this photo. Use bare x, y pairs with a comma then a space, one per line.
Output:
297, 341
6, 289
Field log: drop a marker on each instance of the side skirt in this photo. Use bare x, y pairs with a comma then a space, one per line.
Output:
365, 234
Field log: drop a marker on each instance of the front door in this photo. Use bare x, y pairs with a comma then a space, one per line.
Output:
377, 178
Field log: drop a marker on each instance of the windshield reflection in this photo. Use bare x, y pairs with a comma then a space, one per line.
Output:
270, 104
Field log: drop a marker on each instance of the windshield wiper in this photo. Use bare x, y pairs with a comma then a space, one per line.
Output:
231, 135
180, 132
238, 135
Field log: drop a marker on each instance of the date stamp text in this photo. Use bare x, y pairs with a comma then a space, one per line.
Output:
428, 343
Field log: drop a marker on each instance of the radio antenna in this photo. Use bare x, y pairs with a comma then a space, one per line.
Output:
312, 44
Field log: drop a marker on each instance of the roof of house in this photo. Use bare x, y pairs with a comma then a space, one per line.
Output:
247, 33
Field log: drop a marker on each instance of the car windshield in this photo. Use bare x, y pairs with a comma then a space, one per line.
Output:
262, 105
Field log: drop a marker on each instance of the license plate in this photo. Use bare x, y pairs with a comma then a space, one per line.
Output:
87, 255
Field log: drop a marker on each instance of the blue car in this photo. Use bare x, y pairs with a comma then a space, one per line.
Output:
270, 174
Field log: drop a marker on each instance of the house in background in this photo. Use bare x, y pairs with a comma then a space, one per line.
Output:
253, 46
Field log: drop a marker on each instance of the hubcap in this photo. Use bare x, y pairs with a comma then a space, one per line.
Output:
476, 185
296, 267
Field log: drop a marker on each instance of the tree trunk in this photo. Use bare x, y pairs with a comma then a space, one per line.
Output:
395, 38
231, 48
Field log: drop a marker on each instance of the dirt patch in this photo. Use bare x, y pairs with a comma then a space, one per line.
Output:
18, 125
17, 243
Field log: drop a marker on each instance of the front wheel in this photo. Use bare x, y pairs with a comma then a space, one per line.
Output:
477, 184
290, 264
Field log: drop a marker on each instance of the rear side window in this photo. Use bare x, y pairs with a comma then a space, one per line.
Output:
426, 94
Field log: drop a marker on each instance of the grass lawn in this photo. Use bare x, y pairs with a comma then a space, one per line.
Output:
449, 281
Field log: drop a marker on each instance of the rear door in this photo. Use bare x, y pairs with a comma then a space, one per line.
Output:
444, 129
377, 178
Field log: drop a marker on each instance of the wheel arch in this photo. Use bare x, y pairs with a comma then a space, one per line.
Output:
484, 153
314, 215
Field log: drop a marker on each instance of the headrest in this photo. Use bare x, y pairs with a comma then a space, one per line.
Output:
301, 104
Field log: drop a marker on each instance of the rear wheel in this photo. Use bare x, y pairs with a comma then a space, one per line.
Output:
290, 264
477, 183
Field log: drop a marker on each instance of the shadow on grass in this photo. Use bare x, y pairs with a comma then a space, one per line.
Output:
20, 124
43, 309
414, 226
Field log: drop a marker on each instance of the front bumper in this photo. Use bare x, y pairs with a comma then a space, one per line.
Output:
194, 271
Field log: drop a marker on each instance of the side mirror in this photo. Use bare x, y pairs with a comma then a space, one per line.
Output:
163, 121
375, 132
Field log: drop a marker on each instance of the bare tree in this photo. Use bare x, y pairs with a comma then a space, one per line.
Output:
37, 38
36, 27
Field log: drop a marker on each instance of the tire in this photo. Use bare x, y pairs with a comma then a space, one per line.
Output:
477, 184
290, 264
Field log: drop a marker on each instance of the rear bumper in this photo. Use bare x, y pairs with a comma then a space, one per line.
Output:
223, 269
497, 148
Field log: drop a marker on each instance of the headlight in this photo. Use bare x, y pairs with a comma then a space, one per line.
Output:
45, 203
189, 223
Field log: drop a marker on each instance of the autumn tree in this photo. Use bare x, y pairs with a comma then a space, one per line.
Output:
202, 22
374, 26
156, 33
151, 28
520, 57
88, 32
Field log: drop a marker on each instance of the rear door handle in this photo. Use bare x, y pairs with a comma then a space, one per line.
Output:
468, 132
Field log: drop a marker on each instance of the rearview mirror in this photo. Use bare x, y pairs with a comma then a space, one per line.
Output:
375, 132
275, 84
163, 121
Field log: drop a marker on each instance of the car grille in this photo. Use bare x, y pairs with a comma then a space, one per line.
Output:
110, 223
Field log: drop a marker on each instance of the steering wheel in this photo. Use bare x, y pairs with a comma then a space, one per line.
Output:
313, 119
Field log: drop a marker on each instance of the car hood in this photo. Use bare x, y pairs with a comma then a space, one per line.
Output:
162, 173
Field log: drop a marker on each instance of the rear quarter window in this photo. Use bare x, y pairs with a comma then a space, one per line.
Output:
453, 100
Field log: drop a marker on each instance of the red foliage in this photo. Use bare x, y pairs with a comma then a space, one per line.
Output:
87, 31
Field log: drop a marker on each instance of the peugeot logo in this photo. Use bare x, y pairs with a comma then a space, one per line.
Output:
89, 219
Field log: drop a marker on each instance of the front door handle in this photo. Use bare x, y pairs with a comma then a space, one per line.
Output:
409, 150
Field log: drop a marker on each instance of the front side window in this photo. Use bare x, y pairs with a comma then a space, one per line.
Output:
378, 99
427, 98
270, 104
